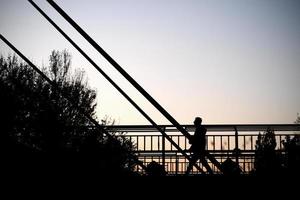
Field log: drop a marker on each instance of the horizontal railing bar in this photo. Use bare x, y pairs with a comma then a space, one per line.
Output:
210, 127
217, 156
208, 135
210, 151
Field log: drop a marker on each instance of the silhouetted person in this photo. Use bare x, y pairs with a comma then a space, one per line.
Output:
198, 145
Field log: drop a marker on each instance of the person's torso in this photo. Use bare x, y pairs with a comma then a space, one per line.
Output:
199, 139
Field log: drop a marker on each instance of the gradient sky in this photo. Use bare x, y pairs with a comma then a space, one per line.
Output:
229, 61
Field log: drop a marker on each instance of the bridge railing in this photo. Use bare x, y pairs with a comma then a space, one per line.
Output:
233, 141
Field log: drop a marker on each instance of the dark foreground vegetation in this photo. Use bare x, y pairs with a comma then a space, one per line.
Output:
43, 133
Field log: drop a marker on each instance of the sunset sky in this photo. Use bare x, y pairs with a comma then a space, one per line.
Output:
228, 61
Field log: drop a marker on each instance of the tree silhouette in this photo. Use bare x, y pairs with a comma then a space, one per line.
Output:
42, 130
267, 160
292, 152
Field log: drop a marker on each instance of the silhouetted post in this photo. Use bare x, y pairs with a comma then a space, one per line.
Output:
176, 164
236, 145
164, 148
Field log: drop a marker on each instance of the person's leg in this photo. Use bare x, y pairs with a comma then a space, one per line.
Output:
192, 162
205, 164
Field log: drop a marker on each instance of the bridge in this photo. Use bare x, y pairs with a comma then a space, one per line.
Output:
223, 141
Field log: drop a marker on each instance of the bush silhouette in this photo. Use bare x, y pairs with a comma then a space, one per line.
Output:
230, 168
292, 153
155, 169
267, 159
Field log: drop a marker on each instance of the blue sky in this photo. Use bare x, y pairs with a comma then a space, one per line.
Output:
229, 61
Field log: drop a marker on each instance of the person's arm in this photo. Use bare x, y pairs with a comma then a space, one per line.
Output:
191, 139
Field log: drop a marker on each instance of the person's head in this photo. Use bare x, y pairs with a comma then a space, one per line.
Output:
197, 121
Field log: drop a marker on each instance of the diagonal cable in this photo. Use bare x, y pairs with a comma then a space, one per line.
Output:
113, 83
123, 72
118, 67
54, 86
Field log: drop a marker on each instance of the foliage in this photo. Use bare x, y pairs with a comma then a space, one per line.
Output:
230, 168
155, 169
270, 161
292, 151
40, 126
267, 160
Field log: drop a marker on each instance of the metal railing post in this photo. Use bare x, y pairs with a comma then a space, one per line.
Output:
164, 148
176, 164
236, 145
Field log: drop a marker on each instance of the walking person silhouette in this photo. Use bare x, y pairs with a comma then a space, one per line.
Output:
198, 145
